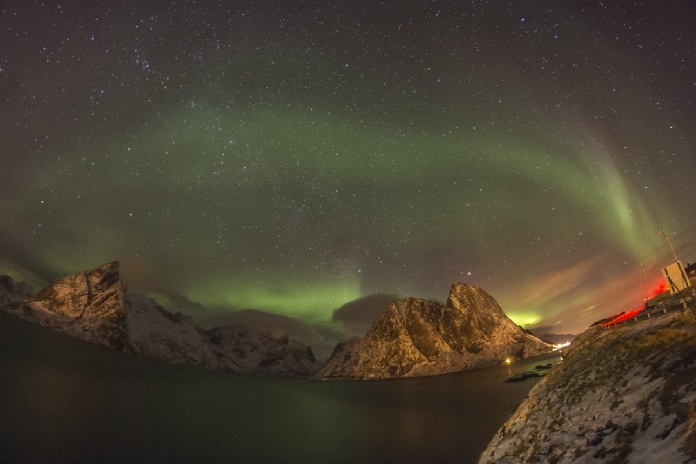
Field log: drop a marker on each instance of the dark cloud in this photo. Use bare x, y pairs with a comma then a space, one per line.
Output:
321, 341
275, 324
19, 253
138, 274
357, 316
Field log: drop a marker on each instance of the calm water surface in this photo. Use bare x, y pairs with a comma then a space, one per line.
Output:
62, 400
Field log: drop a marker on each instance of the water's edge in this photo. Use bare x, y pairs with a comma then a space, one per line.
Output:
66, 400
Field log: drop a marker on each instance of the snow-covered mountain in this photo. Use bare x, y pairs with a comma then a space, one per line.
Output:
621, 395
416, 337
93, 306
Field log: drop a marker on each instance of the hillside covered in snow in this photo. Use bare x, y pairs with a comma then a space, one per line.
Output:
93, 306
622, 395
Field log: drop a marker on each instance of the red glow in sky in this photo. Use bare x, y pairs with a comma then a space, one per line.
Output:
659, 288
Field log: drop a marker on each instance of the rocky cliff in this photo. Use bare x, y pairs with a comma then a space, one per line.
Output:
88, 306
93, 306
621, 395
416, 337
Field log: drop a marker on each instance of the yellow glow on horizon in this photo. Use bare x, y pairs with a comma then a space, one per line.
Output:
524, 318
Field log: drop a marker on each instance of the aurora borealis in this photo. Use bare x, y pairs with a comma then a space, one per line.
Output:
293, 157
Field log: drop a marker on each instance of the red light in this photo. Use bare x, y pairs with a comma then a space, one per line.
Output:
660, 288
624, 316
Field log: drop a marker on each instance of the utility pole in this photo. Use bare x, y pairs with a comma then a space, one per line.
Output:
669, 242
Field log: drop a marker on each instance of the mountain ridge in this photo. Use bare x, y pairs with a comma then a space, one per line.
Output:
93, 306
417, 337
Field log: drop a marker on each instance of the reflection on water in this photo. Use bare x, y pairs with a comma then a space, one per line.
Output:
62, 399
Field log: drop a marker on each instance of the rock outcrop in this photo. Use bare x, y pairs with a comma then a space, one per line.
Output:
621, 395
93, 306
88, 306
416, 337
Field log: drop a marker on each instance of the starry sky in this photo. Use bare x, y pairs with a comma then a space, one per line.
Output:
314, 159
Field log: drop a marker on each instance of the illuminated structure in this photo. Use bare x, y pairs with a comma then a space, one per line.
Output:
674, 273
676, 277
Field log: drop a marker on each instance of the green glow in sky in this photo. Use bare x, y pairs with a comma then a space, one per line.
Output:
268, 193
524, 318
312, 302
292, 161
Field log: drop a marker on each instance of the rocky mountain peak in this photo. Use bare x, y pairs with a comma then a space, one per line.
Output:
94, 293
415, 337
88, 305
468, 298
93, 306
481, 315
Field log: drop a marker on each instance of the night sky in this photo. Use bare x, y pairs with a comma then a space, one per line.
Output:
292, 157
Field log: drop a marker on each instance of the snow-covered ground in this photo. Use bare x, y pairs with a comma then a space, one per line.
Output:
621, 395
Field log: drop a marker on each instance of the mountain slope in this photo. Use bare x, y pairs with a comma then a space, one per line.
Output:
416, 337
622, 395
88, 305
93, 306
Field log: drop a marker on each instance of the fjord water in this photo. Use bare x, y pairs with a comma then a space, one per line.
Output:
63, 400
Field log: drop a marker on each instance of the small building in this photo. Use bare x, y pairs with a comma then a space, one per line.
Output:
690, 270
676, 277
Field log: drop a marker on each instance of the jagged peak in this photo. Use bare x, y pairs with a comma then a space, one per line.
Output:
110, 265
110, 268
461, 287
92, 305
460, 290
96, 279
402, 306
417, 337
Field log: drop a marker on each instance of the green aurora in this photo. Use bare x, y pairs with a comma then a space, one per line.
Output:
293, 161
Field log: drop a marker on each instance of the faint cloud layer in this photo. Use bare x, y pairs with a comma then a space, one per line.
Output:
357, 316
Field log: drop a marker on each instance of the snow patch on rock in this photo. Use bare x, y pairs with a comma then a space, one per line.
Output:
624, 395
93, 306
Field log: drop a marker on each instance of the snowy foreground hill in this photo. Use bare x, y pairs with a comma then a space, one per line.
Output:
93, 306
621, 395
